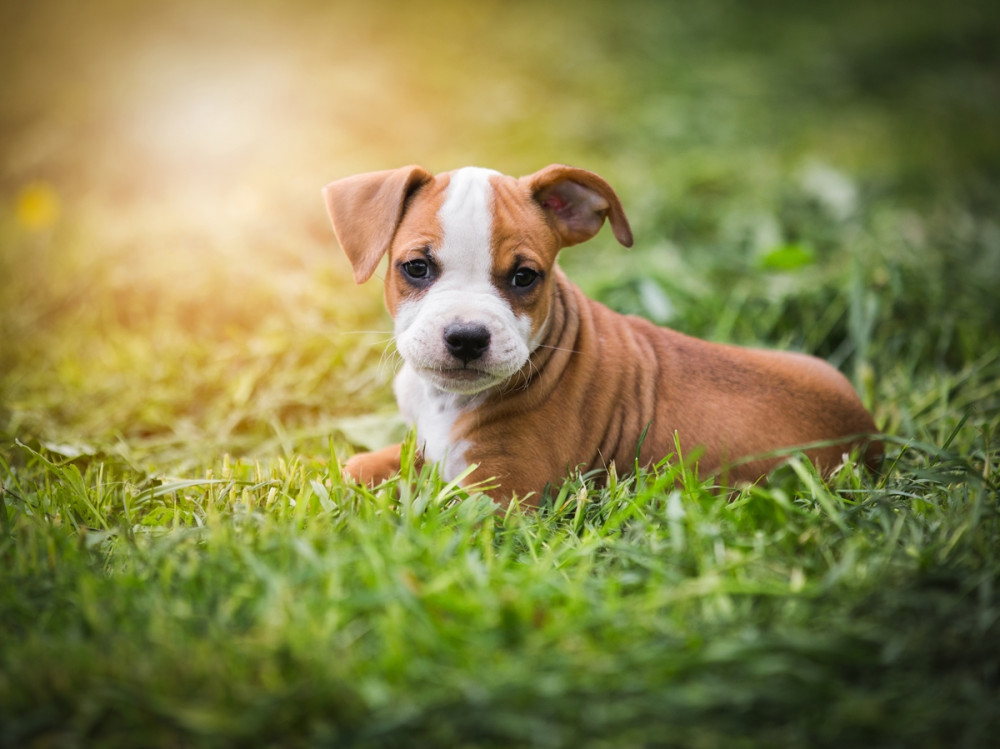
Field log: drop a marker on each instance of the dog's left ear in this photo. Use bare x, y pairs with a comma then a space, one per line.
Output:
577, 202
366, 210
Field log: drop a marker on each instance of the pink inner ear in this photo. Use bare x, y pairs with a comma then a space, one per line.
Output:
554, 202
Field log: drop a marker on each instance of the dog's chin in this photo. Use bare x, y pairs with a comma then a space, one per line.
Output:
462, 380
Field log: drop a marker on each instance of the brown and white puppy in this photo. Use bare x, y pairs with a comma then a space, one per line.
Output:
507, 365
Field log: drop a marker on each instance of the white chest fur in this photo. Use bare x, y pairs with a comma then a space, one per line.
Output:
433, 412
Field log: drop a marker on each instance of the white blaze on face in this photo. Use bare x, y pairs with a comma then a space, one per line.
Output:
467, 223
463, 292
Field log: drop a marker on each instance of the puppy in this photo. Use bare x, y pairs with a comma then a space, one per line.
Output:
508, 366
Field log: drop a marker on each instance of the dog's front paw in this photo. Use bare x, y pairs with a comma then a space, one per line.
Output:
373, 468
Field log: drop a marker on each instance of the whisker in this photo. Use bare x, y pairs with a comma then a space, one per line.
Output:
365, 332
558, 348
524, 375
390, 360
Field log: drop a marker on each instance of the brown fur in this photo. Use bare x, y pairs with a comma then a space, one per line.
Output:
599, 379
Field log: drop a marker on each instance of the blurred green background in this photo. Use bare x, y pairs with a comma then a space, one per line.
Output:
184, 357
817, 175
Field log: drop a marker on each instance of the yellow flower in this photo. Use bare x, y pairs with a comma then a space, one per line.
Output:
37, 206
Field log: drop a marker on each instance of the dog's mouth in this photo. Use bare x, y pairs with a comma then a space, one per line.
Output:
462, 379
463, 374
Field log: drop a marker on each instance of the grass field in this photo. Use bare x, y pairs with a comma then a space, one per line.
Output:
184, 362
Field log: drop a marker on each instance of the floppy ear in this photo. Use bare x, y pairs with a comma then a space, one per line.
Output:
577, 202
366, 209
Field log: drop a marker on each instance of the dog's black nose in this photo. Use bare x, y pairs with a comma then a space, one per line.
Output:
466, 341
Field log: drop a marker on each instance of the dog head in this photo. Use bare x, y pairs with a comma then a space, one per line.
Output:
471, 254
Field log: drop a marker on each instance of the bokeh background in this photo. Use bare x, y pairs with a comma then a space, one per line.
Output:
184, 358
816, 175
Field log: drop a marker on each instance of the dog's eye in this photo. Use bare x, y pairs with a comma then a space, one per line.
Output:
525, 277
418, 270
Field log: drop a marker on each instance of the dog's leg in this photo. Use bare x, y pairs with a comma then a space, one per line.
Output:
375, 467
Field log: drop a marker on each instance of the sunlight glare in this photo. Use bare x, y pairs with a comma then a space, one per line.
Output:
205, 119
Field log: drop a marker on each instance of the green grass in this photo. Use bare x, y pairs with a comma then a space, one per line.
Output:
184, 364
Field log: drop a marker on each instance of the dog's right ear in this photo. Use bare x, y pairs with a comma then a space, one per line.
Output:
366, 209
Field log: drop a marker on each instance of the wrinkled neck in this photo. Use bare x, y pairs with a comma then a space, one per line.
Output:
563, 326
